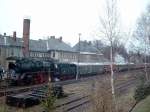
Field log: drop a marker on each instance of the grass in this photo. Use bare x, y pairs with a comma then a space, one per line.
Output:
143, 106
125, 101
3, 109
6, 108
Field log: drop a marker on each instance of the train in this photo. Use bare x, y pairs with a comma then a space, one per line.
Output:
32, 71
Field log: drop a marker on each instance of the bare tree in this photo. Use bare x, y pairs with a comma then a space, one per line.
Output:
101, 98
142, 34
110, 30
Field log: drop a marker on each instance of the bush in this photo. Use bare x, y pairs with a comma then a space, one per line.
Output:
142, 91
3, 109
49, 103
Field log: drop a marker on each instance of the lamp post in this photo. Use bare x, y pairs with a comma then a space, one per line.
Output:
77, 75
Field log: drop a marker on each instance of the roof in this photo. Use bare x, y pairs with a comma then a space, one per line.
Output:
57, 44
86, 47
37, 45
49, 44
10, 41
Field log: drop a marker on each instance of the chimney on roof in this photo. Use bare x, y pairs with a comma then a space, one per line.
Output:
60, 38
85, 41
26, 35
14, 35
90, 42
4, 34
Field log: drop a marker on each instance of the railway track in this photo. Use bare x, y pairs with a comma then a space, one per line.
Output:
77, 103
16, 90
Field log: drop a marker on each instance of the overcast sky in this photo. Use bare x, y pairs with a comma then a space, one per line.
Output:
64, 18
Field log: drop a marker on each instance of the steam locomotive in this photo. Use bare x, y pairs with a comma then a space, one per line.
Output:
31, 71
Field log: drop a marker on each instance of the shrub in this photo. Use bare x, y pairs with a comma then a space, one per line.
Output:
142, 91
3, 109
49, 102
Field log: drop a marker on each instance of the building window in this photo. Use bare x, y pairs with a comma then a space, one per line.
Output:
53, 54
34, 54
12, 52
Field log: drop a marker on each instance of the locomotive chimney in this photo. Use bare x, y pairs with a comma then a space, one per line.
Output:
26, 35
4, 34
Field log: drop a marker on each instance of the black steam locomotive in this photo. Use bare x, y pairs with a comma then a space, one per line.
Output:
31, 71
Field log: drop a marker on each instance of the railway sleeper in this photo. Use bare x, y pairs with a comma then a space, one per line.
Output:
33, 98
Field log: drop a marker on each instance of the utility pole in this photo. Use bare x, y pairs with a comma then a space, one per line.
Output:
77, 75
146, 50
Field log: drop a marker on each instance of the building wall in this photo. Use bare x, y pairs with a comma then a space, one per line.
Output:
92, 58
3, 57
37, 54
7, 51
14, 52
64, 56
